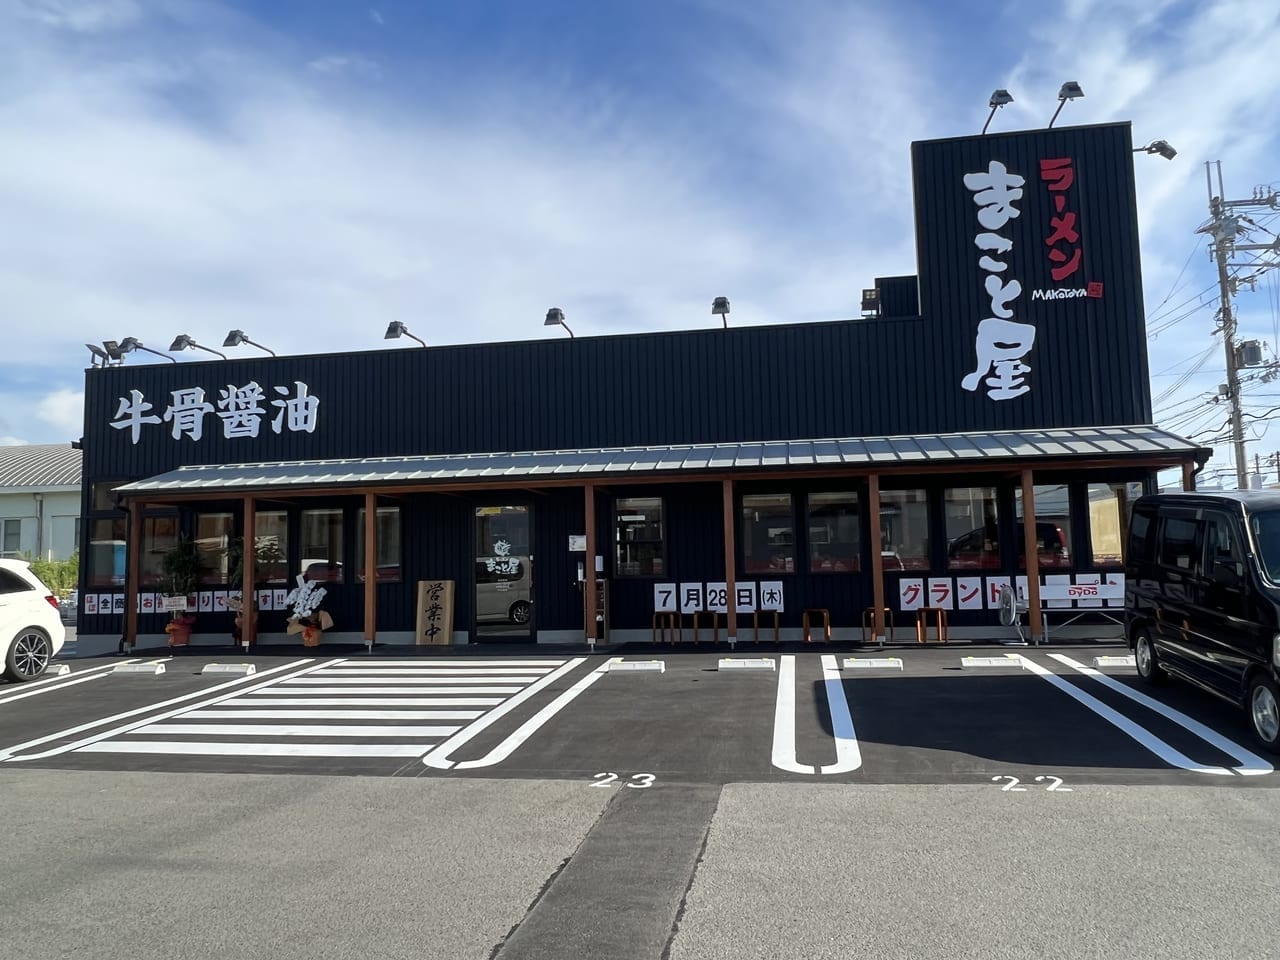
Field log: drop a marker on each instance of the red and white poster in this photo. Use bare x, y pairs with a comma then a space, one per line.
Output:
969, 593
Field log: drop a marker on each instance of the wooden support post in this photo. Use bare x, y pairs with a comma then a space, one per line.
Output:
1188, 476
132, 574
877, 559
370, 568
589, 562
730, 553
1029, 545
248, 608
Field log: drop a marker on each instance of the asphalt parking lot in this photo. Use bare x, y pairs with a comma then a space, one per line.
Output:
509, 807
927, 715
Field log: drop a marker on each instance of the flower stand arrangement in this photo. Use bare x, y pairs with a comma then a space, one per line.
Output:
179, 629
235, 603
182, 566
307, 618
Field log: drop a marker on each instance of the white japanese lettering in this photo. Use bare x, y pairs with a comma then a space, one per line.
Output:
130, 414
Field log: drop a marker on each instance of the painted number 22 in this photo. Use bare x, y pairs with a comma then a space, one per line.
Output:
1012, 785
637, 781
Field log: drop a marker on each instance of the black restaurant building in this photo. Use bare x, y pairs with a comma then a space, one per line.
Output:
985, 421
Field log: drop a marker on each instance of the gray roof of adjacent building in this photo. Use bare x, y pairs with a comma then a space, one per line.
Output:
36, 466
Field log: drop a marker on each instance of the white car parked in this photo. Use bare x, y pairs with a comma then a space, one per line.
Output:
31, 629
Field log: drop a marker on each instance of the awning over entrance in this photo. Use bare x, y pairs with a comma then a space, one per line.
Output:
982, 450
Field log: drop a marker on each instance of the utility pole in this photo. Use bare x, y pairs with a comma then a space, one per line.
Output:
1223, 228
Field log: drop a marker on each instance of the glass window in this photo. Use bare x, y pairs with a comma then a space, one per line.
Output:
1139, 540
1178, 544
904, 529
1266, 534
322, 544
159, 536
1052, 504
768, 533
213, 536
104, 495
106, 553
388, 546
271, 531
12, 583
1110, 505
638, 537
1220, 547
835, 532
11, 531
973, 528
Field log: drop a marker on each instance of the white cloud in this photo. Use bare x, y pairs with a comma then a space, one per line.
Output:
339, 64
12, 442
63, 409
81, 16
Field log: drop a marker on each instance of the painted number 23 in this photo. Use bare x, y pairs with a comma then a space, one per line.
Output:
637, 781
1011, 786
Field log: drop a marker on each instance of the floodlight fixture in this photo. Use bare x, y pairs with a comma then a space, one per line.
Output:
184, 342
555, 318
720, 308
1069, 91
237, 337
396, 330
113, 350
1161, 147
998, 99
130, 344
98, 356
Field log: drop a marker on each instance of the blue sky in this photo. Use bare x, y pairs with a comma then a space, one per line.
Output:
308, 171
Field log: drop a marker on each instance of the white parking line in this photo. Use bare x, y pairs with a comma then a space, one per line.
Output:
439, 757
498, 674
234, 713
848, 754
295, 730
370, 701
188, 748
530, 726
35, 687
8, 754
1139, 733
1251, 765
331, 677
784, 720
374, 688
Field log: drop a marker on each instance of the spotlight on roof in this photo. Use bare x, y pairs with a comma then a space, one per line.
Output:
183, 342
720, 308
1158, 146
396, 330
998, 99
98, 356
1069, 91
555, 318
113, 351
130, 344
237, 337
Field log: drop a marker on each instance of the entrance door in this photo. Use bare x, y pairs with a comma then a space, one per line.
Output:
504, 574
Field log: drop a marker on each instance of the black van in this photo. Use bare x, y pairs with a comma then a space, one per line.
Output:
1202, 597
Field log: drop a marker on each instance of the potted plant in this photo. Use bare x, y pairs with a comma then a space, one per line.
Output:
267, 554
181, 566
307, 617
